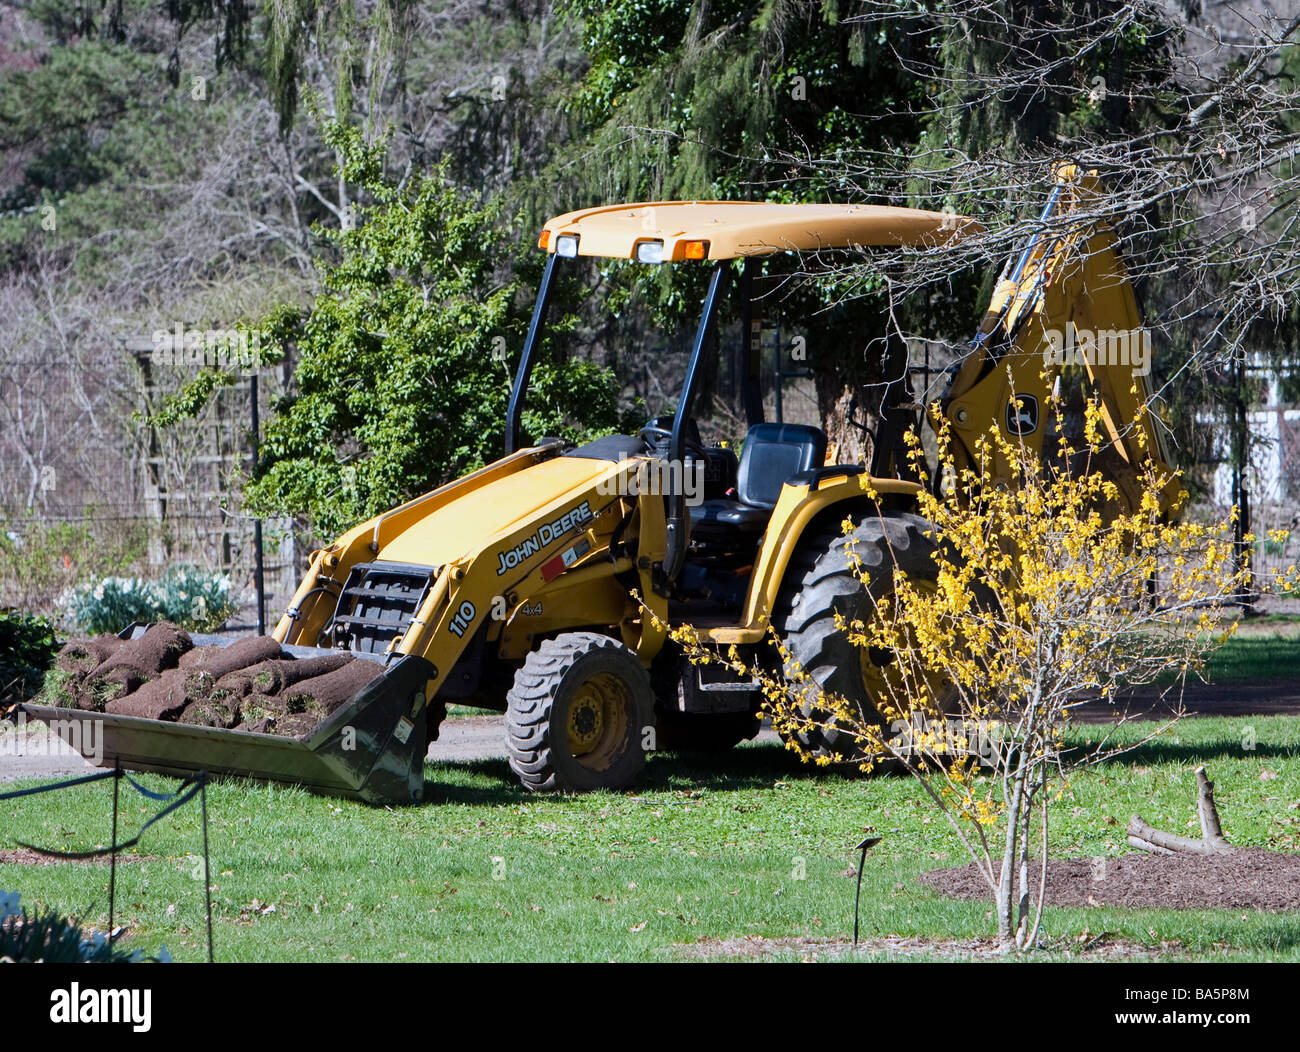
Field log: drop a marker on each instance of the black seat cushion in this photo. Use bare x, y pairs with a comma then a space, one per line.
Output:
717, 517
772, 453
611, 447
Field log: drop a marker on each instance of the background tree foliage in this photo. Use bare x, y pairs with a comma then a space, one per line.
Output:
712, 101
402, 375
156, 160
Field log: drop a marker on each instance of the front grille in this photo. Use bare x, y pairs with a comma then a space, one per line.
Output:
378, 602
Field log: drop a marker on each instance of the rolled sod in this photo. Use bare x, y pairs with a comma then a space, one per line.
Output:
324, 694
61, 689
92, 693
220, 710
266, 715
284, 725
159, 699
297, 725
271, 677
217, 661
157, 650
68, 682
80, 656
256, 707
116, 683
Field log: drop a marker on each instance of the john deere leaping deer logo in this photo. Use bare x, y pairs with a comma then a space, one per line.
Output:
1022, 415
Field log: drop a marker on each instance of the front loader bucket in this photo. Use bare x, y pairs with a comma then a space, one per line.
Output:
371, 748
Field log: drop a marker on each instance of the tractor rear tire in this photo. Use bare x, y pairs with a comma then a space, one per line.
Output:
819, 584
577, 715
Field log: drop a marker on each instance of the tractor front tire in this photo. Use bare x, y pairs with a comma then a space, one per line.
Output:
820, 584
577, 715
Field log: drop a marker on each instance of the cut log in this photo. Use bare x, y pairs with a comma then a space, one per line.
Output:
1212, 842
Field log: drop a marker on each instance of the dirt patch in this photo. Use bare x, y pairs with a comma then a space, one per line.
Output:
755, 947
1200, 699
22, 856
1250, 878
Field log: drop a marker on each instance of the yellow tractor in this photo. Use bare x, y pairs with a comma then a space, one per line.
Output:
524, 586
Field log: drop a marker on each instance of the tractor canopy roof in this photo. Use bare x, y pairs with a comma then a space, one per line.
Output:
669, 231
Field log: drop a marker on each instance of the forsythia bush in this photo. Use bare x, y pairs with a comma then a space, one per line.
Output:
1043, 594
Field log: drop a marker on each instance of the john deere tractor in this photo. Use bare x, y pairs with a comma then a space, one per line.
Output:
546, 583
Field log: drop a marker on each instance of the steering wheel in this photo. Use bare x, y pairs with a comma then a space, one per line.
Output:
654, 431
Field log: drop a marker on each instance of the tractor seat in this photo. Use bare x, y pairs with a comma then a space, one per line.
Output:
771, 454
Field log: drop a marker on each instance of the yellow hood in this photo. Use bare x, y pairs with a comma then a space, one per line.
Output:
470, 521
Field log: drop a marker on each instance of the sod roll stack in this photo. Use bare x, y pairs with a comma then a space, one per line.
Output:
252, 685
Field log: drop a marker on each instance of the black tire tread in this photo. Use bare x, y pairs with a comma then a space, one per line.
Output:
819, 583
530, 700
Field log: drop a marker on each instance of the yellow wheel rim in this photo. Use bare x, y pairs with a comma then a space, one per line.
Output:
597, 720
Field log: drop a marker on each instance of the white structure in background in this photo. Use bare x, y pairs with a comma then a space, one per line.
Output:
1273, 477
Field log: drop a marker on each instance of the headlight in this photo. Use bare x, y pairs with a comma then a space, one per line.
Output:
650, 252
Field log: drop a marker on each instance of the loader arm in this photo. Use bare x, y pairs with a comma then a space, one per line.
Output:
1066, 304
513, 551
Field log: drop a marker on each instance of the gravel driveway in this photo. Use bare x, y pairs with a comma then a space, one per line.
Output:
29, 755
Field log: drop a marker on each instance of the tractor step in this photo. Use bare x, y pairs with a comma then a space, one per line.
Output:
713, 688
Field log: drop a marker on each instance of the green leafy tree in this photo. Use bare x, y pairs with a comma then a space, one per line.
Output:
723, 100
405, 357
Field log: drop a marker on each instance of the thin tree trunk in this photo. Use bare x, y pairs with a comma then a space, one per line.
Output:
1005, 934
1042, 873
1022, 911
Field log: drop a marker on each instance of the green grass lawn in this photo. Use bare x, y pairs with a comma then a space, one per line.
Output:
753, 845
1255, 659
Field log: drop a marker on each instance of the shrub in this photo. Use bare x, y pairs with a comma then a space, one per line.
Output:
48, 937
195, 598
40, 561
27, 649
974, 652
109, 605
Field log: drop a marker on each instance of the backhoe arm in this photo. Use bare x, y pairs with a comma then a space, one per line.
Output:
1065, 310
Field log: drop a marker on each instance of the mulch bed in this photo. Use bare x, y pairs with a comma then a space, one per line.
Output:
755, 947
251, 685
1249, 878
